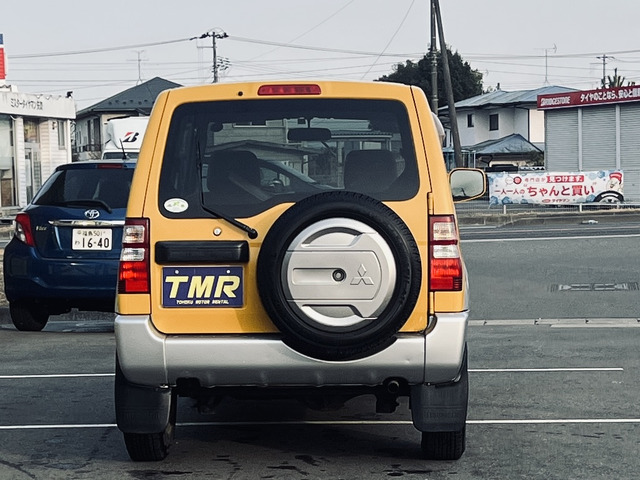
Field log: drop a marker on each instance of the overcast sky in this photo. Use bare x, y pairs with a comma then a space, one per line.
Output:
97, 49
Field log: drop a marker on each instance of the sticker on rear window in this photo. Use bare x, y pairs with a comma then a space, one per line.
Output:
202, 287
176, 205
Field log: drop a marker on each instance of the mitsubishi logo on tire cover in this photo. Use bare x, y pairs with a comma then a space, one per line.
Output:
92, 214
361, 277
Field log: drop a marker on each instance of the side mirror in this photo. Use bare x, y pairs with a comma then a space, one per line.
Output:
467, 183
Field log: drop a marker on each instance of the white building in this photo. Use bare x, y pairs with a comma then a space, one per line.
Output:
34, 139
499, 118
91, 122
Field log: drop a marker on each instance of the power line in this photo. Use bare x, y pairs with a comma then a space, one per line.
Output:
391, 39
95, 50
311, 29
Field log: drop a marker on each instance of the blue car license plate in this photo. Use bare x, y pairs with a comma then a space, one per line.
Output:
202, 287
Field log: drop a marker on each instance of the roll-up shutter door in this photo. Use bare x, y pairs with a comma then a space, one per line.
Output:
630, 150
599, 138
561, 140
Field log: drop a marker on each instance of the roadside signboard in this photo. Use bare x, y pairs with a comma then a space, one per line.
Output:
554, 188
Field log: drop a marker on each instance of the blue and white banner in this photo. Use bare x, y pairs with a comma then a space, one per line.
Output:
554, 188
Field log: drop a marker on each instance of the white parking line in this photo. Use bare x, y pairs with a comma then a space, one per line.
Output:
474, 370
550, 370
553, 239
56, 375
631, 322
523, 421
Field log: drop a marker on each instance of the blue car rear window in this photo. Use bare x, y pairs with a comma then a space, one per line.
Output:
109, 185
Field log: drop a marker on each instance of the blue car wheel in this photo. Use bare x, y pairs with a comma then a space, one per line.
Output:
28, 318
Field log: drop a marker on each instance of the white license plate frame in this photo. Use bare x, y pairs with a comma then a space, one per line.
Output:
92, 239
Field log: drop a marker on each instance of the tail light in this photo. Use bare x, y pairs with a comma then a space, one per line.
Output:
133, 275
446, 269
22, 229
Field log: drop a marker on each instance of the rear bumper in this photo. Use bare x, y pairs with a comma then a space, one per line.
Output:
27, 276
148, 357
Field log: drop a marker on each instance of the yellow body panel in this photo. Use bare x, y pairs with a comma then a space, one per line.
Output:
252, 318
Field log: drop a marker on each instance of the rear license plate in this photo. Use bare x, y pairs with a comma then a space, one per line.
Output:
202, 287
91, 239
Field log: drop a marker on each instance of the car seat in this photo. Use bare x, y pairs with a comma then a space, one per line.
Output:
369, 171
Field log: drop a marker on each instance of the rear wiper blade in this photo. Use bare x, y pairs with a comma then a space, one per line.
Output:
251, 232
88, 202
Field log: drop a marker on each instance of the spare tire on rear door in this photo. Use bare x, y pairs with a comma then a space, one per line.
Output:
339, 273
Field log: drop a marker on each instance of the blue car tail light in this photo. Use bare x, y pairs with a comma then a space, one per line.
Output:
22, 229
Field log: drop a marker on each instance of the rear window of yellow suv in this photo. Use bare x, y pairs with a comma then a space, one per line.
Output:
244, 157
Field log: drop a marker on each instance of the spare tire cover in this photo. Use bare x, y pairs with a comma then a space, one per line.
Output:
339, 273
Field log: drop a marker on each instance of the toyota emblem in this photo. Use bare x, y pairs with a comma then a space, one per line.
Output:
92, 214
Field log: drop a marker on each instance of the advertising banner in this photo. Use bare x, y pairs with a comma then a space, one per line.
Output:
554, 188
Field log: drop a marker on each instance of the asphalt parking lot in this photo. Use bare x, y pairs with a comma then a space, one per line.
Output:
551, 398
546, 402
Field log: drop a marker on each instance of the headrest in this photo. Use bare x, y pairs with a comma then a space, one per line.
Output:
369, 170
237, 162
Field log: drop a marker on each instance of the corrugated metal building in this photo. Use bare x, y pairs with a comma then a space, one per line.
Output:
595, 130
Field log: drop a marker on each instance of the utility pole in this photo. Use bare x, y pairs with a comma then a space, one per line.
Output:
546, 65
453, 121
214, 36
604, 68
433, 50
139, 52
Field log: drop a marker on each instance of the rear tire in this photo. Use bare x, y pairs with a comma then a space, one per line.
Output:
28, 318
148, 447
443, 445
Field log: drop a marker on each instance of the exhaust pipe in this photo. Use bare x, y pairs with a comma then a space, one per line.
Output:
392, 386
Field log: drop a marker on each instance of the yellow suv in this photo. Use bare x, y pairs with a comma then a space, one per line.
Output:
293, 239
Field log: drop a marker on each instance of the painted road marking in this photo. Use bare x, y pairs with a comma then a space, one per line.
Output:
472, 370
523, 421
536, 239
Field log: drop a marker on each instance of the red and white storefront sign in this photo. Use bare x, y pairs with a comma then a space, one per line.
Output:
589, 97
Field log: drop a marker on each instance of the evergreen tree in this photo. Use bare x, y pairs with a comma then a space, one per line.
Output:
466, 82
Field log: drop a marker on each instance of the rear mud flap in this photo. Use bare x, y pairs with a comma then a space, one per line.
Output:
441, 408
141, 409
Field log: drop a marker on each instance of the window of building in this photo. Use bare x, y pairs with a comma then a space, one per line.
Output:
470, 120
89, 135
7, 163
493, 122
97, 136
62, 134
32, 159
